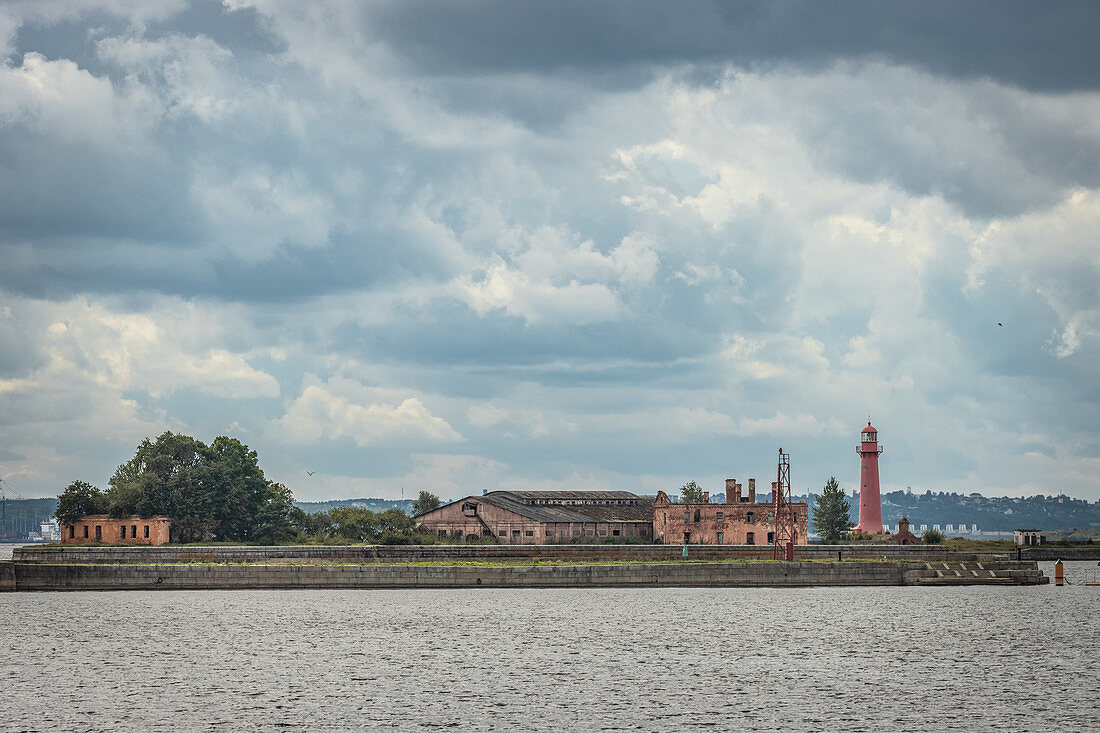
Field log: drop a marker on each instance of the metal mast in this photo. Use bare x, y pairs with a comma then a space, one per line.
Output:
786, 524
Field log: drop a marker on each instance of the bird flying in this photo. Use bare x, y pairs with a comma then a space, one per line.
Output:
310, 473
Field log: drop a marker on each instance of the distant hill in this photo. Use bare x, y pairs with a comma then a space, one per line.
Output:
991, 514
375, 505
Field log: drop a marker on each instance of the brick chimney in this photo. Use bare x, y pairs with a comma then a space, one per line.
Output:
706, 497
752, 491
733, 491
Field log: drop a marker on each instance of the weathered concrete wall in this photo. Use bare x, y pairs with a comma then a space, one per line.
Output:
7, 576
129, 530
1059, 553
47, 577
41, 577
431, 553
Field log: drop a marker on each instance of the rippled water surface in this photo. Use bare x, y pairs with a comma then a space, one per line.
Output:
978, 658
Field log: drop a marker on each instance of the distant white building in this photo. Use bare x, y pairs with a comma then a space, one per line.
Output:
1027, 537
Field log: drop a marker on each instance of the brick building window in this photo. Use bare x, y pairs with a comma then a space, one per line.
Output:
698, 515
719, 517
122, 531
748, 518
133, 531
98, 533
529, 533
85, 531
721, 538
147, 531
603, 533
503, 533
576, 533
72, 531
614, 533
442, 533
687, 516
750, 538
589, 533
549, 533
771, 538
515, 533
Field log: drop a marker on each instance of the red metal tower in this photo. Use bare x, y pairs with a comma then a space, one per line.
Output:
870, 502
786, 522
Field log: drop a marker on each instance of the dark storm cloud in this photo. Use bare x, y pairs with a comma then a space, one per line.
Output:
1048, 46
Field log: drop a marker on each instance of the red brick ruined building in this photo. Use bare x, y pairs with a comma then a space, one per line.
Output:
125, 531
742, 520
544, 517
903, 536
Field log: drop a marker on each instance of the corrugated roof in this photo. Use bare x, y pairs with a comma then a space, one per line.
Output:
594, 495
639, 508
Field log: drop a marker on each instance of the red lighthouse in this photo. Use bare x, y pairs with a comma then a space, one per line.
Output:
870, 505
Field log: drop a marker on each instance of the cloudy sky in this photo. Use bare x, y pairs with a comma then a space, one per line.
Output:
622, 245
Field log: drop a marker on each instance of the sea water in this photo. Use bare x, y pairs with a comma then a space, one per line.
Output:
857, 659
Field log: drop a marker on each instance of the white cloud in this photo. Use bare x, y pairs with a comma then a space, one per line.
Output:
66, 104
156, 354
513, 291
320, 414
1054, 252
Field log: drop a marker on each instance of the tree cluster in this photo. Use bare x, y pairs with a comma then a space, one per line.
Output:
831, 518
347, 525
692, 493
213, 492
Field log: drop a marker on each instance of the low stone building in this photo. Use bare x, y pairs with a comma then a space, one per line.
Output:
544, 517
742, 520
126, 531
1028, 537
903, 536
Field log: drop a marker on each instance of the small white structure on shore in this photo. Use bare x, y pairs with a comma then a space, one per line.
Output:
1027, 537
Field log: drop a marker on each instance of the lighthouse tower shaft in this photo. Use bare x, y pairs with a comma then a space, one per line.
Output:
870, 503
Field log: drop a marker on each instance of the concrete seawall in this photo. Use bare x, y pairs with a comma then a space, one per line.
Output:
21, 576
448, 553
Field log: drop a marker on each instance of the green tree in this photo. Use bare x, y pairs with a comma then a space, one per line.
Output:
932, 537
425, 502
272, 524
397, 527
831, 512
79, 499
691, 493
215, 492
353, 524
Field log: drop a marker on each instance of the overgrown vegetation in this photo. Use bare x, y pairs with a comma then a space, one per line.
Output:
425, 502
213, 492
932, 537
692, 493
349, 526
831, 513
